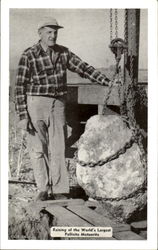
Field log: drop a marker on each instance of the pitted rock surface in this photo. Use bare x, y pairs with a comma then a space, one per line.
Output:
104, 136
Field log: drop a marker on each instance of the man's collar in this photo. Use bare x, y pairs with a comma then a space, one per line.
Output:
38, 48
43, 46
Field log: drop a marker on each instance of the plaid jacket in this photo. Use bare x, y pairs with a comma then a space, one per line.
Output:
39, 75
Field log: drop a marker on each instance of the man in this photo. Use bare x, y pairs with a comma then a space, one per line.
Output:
40, 90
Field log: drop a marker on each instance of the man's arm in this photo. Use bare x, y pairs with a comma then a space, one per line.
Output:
23, 76
75, 64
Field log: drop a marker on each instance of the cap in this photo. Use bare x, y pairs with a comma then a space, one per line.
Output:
49, 21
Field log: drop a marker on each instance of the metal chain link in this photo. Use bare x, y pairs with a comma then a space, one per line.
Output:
136, 135
134, 139
120, 94
107, 96
129, 98
125, 26
132, 119
131, 68
111, 24
116, 23
111, 83
142, 188
108, 159
117, 74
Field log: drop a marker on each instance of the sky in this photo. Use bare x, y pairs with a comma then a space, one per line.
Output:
86, 33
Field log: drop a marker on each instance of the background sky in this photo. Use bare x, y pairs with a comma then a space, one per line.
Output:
86, 32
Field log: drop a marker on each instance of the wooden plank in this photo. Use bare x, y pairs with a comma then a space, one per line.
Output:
93, 204
66, 218
97, 219
75, 79
143, 234
14, 181
127, 235
62, 203
139, 225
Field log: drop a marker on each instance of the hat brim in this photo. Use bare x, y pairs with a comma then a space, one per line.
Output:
52, 26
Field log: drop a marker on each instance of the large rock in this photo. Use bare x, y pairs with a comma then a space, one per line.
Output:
103, 137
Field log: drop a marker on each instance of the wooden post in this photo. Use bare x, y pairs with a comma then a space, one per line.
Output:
131, 62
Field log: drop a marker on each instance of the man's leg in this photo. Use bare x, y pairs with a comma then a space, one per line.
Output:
38, 109
58, 171
38, 151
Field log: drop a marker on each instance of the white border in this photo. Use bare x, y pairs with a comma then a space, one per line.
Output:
151, 242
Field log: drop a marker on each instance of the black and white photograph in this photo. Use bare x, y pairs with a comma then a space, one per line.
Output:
78, 125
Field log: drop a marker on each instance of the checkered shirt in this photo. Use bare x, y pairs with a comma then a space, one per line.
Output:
39, 74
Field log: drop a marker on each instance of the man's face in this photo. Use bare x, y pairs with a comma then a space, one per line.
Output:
48, 36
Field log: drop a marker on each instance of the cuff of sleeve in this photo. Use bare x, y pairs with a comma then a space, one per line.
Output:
105, 82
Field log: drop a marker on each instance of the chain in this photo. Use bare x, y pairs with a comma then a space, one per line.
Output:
111, 25
125, 26
143, 157
108, 159
130, 121
117, 79
131, 60
111, 83
123, 99
135, 138
131, 108
142, 188
129, 97
126, 35
116, 23
123, 110
131, 67
121, 96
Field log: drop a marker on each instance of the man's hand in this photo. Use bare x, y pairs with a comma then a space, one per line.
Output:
26, 125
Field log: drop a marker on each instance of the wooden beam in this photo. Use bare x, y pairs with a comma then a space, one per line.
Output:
62, 203
97, 219
127, 235
131, 62
139, 225
65, 217
13, 181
